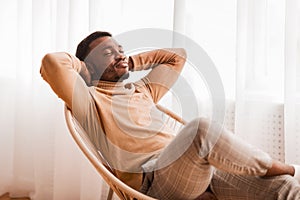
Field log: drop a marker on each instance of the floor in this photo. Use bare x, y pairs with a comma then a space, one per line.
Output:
6, 197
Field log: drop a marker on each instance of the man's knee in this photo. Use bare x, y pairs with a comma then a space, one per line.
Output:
207, 135
201, 126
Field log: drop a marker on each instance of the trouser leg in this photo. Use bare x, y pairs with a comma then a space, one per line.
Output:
230, 186
184, 169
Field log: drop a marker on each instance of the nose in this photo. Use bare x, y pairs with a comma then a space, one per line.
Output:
120, 56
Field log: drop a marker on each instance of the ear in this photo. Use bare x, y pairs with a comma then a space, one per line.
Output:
90, 67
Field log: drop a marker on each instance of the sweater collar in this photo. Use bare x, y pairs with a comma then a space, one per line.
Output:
113, 88
108, 85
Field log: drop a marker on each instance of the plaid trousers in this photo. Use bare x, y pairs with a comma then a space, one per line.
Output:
204, 154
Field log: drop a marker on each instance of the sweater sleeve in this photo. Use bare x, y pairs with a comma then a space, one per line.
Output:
61, 71
165, 65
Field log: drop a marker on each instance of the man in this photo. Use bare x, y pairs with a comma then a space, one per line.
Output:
122, 121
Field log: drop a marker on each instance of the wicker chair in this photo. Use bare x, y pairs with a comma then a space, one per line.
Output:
122, 190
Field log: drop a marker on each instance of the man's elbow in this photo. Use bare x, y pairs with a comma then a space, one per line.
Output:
48, 58
52, 63
181, 52
45, 66
180, 59
48, 64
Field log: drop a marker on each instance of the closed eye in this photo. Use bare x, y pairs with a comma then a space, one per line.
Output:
107, 54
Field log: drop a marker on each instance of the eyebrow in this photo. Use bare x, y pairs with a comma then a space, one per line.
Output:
111, 47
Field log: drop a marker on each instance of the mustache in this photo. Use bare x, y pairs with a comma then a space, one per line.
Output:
121, 60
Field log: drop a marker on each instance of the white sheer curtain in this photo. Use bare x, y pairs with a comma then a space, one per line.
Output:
260, 66
267, 76
38, 157
292, 81
255, 47
212, 25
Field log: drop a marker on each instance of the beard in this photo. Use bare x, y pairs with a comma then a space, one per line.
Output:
124, 77
112, 74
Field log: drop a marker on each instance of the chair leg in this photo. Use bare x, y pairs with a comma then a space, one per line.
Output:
110, 194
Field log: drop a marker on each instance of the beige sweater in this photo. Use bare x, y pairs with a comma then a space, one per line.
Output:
121, 119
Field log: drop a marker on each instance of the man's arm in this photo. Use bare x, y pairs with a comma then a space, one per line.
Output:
166, 65
61, 71
172, 57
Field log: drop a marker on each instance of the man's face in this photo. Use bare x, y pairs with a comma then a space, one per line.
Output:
108, 60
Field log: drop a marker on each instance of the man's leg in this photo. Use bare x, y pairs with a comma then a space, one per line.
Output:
184, 169
231, 186
181, 174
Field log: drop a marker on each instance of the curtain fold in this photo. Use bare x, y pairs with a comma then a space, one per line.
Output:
268, 76
40, 160
260, 63
292, 82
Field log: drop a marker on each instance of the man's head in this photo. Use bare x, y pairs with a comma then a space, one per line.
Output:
104, 57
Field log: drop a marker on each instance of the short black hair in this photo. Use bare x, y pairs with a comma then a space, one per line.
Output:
83, 47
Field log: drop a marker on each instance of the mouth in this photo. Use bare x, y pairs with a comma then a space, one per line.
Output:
121, 64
